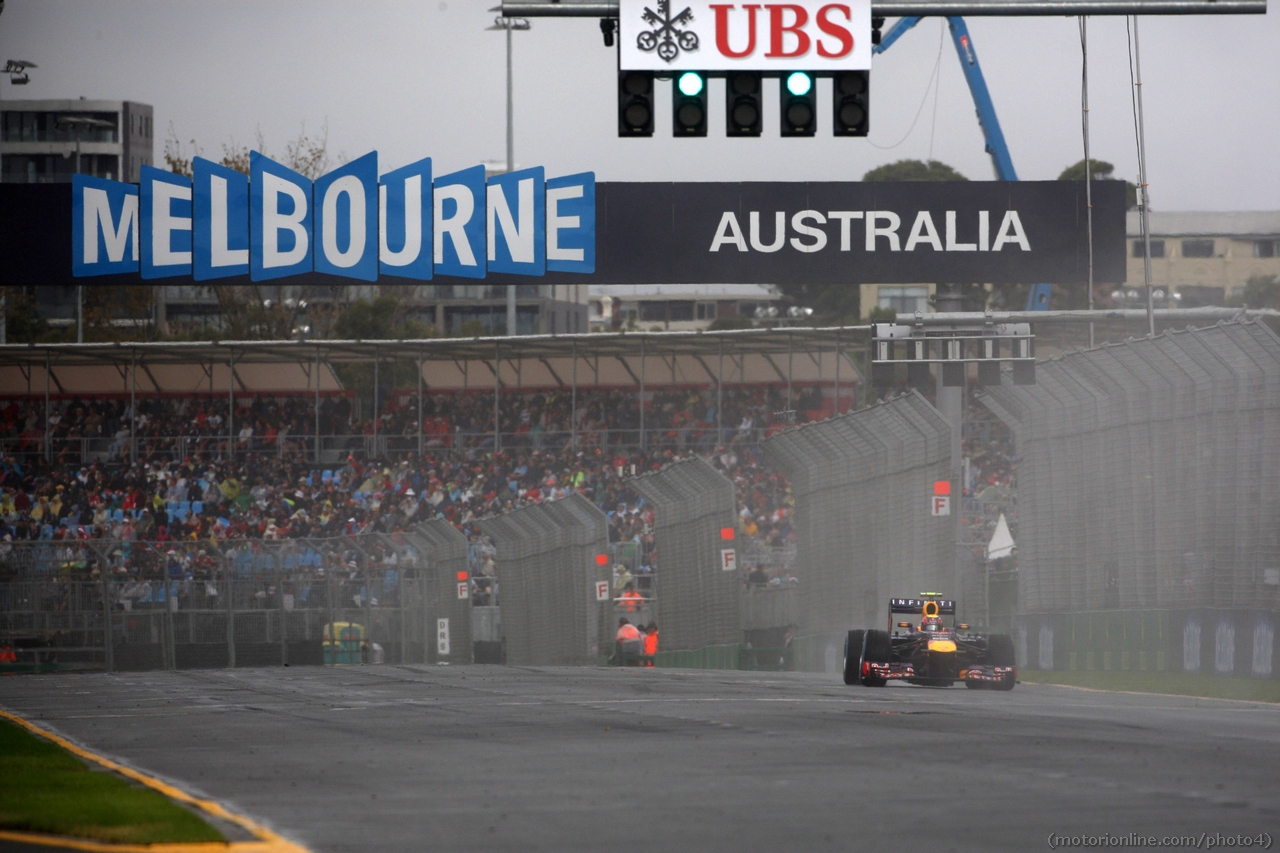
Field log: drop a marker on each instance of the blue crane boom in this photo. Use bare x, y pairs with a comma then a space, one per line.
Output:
1038, 298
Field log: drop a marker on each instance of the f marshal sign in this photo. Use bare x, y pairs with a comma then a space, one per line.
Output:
806, 35
274, 223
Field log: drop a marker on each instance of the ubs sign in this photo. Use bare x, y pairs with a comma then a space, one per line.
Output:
274, 223
805, 35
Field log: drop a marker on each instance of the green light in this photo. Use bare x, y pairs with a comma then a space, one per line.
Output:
690, 83
799, 83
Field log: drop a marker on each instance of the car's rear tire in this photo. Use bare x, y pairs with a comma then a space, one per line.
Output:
1000, 653
852, 656
877, 647
974, 685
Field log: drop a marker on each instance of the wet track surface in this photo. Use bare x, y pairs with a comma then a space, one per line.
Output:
506, 758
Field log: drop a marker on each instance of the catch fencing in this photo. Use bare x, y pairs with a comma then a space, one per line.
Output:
1149, 473
550, 558
863, 485
125, 605
694, 514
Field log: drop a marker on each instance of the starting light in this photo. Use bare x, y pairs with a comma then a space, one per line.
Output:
850, 91
799, 118
799, 84
744, 111
942, 487
635, 103
726, 533
689, 105
462, 576
602, 559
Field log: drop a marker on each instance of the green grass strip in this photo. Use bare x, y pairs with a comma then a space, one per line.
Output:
44, 788
1175, 683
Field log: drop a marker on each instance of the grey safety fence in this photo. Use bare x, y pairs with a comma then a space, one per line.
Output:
445, 591
128, 605
863, 485
699, 588
550, 559
1149, 473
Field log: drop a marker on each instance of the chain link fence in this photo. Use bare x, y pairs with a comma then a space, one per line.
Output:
1149, 473
551, 558
863, 484
699, 588
127, 605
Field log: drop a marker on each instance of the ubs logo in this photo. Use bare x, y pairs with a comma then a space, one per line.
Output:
666, 36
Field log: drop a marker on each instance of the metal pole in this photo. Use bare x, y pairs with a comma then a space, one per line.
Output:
497, 383
1088, 164
133, 406
573, 398
836, 389
939, 8
231, 406
79, 313
333, 626
642, 342
284, 628
47, 435
421, 446
1146, 198
4, 316
374, 452
317, 407
720, 396
511, 167
790, 411
231, 615
108, 647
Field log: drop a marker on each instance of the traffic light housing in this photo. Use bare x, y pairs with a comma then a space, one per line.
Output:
635, 103
851, 98
744, 112
799, 117
689, 104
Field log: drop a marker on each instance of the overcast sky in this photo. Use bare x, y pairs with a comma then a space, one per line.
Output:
414, 78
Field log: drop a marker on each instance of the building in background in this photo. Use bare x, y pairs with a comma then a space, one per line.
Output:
674, 307
1205, 257
38, 144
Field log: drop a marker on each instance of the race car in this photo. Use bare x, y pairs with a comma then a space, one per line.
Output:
928, 652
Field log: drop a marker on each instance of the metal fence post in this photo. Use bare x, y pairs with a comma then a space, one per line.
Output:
231, 614
108, 649
284, 630
333, 626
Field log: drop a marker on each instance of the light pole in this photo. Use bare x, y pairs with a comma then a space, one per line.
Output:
509, 24
78, 125
17, 71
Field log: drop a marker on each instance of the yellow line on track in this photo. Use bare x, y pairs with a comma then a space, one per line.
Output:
267, 841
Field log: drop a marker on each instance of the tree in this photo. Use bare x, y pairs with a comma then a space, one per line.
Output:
1102, 171
914, 170
306, 154
1260, 291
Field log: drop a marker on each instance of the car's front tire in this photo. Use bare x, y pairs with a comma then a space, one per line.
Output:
1000, 653
852, 656
877, 647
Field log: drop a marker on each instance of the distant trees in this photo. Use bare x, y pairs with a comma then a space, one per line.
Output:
306, 154
914, 170
1102, 171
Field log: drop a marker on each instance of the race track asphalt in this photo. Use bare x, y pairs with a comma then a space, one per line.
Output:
414, 758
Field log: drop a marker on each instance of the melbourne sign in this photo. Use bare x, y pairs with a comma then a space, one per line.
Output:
274, 223
458, 227
805, 35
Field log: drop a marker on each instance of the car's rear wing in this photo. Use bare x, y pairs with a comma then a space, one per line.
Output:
916, 606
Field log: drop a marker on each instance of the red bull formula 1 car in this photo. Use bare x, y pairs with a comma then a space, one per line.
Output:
926, 651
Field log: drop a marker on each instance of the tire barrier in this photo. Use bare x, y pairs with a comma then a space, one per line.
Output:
863, 484
548, 566
699, 589
1149, 473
